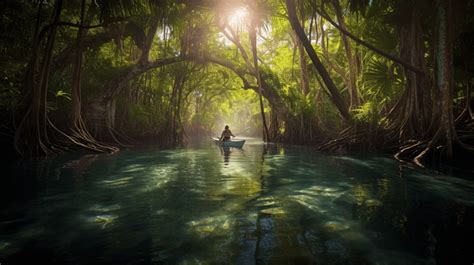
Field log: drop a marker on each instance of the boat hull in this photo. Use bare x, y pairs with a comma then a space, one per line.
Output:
231, 143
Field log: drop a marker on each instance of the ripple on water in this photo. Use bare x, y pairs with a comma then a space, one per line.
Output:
263, 204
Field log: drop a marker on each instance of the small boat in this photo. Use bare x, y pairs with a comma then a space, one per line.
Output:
231, 143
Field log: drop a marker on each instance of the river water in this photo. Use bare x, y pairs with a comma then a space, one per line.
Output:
264, 204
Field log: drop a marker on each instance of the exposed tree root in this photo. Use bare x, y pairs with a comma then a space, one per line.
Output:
114, 133
413, 146
348, 137
416, 151
80, 139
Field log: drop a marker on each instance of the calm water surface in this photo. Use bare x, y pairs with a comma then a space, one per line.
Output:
265, 204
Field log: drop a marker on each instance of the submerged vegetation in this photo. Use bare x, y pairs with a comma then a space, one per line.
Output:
340, 75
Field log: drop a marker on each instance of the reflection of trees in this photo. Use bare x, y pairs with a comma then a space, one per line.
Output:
195, 203
411, 219
258, 228
380, 198
315, 224
268, 204
79, 167
278, 230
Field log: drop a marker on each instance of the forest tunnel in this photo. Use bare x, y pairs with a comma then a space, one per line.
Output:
105, 74
352, 131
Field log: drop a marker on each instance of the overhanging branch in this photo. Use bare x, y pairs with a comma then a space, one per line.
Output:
366, 44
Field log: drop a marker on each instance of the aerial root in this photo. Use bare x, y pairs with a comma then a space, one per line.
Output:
411, 148
349, 135
83, 141
113, 133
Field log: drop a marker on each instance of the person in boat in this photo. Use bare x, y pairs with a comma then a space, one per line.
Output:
226, 134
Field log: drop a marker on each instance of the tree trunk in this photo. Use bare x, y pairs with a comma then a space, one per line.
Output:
351, 60
414, 111
304, 83
253, 41
336, 96
31, 135
144, 58
76, 82
366, 44
268, 92
25, 131
304, 68
444, 69
174, 112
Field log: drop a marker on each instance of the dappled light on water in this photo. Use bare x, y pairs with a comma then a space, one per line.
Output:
263, 204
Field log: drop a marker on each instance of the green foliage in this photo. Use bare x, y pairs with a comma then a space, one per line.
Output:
203, 96
140, 116
382, 79
62, 94
368, 112
9, 93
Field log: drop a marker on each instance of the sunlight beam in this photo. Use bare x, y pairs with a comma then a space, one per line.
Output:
238, 17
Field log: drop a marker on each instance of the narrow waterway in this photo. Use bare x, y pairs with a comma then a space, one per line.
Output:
263, 204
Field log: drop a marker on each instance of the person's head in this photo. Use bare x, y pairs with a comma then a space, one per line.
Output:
226, 127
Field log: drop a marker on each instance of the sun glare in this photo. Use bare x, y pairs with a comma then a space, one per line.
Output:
237, 18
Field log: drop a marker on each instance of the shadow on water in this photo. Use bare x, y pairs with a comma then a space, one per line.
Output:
263, 204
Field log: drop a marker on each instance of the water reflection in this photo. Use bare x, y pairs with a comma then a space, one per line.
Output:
225, 151
268, 204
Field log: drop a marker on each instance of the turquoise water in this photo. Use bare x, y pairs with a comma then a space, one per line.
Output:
265, 204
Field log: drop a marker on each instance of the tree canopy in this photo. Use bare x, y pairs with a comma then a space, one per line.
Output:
100, 75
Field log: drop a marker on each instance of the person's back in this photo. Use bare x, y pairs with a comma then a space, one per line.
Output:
226, 134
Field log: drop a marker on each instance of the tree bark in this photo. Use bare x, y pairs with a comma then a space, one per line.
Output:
269, 93
144, 58
32, 130
351, 60
444, 69
76, 82
304, 69
253, 41
304, 83
414, 112
336, 96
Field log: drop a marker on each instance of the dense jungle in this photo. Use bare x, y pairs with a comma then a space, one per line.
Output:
237, 132
98, 76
